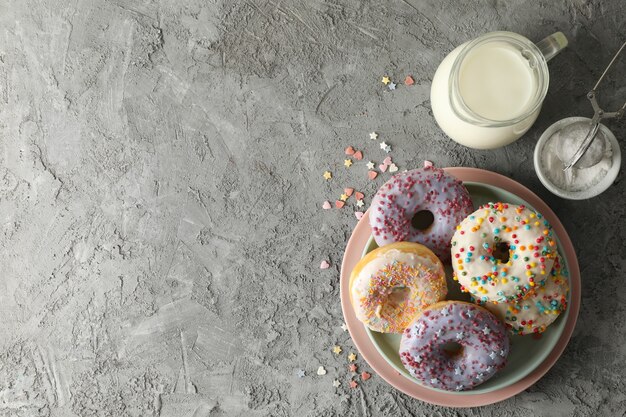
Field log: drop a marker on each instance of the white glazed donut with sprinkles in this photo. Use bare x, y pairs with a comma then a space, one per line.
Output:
425, 189
481, 337
501, 251
535, 313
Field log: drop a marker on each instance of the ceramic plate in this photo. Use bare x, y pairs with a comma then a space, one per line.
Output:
529, 358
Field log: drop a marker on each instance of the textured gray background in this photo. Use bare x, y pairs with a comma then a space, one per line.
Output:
160, 192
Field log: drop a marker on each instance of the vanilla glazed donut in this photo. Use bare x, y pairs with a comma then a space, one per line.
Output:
392, 284
501, 251
535, 313
425, 189
482, 338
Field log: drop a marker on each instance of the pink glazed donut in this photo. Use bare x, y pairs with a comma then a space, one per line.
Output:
482, 341
425, 189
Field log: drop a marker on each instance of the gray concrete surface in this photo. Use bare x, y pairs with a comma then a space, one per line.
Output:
160, 194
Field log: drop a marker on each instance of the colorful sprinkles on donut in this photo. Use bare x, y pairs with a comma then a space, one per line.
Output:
428, 189
535, 313
501, 252
454, 346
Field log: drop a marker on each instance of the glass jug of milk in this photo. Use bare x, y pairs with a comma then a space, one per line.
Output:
488, 92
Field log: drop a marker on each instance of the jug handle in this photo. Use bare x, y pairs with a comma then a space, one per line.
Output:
552, 45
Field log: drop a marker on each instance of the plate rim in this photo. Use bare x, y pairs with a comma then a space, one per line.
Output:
352, 254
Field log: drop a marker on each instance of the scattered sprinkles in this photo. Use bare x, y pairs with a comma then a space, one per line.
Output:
326, 205
365, 376
321, 371
360, 203
336, 383
349, 151
370, 165
373, 136
347, 163
300, 373
327, 175
352, 367
344, 197
337, 349
353, 384
352, 357
392, 86
386, 80
324, 265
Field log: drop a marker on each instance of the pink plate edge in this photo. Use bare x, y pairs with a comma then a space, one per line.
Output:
353, 252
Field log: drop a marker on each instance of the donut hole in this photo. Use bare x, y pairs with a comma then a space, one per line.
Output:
398, 295
423, 219
501, 252
452, 349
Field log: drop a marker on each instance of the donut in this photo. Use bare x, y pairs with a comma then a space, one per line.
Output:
481, 339
426, 189
535, 313
394, 283
501, 251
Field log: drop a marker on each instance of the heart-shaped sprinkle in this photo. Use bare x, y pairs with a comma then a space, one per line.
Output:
349, 150
324, 265
339, 204
428, 164
365, 376
358, 214
321, 371
372, 174
358, 155
359, 196
393, 168
348, 191
382, 167
387, 160
326, 205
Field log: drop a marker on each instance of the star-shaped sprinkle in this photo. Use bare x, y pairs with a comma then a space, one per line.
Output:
459, 387
383, 145
460, 335
493, 355
457, 371
360, 203
343, 197
392, 86
353, 384
347, 163
336, 383
486, 330
434, 381
439, 332
386, 80
300, 373
387, 149
373, 135
370, 165
351, 357
327, 175
321, 371
336, 350
352, 367
418, 359
344, 327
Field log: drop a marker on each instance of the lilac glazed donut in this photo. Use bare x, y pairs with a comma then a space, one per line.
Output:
482, 341
426, 189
